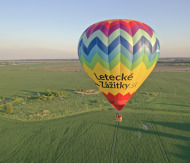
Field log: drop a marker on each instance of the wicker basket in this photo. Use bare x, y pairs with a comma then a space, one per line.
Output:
118, 119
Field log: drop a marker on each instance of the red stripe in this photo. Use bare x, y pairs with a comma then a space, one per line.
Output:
106, 26
119, 100
132, 23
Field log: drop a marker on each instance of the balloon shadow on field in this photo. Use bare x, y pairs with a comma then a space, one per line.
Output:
158, 133
30, 92
178, 126
69, 90
181, 105
183, 152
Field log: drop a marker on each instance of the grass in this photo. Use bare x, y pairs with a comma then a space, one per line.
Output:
30, 82
95, 137
85, 130
32, 108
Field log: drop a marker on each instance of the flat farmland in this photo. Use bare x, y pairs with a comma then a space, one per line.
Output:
81, 128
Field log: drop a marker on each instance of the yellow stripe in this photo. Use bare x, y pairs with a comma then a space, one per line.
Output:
139, 74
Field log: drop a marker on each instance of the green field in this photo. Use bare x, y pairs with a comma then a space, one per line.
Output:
81, 128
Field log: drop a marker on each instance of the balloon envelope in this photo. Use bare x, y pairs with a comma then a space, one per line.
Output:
118, 55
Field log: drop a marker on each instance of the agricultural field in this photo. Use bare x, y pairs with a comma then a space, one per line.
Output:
60, 116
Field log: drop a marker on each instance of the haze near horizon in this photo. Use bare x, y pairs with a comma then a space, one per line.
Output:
51, 29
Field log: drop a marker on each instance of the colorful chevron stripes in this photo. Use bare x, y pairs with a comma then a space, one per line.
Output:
118, 55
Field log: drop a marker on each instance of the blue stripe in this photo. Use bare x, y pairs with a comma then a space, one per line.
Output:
119, 40
119, 49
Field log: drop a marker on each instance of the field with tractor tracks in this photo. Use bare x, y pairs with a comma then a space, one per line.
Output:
59, 116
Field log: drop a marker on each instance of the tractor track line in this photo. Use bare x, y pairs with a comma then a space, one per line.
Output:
3, 131
71, 140
113, 147
116, 139
163, 151
22, 145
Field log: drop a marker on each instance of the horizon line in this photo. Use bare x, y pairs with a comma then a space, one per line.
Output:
78, 59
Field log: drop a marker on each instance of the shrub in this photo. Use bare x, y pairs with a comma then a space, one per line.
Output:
59, 94
43, 99
16, 98
47, 92
28, 97
56, 94
8, 108
38, 94
50, 94
53, 98
49, 97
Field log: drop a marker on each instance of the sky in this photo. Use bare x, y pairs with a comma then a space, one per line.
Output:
50, 29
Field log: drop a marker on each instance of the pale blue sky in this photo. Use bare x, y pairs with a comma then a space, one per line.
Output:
32, 29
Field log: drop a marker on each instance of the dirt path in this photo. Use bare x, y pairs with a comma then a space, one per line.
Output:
171, 68
88, 92
63, 68
158, 68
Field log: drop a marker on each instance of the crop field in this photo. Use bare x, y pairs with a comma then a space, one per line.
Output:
59, 116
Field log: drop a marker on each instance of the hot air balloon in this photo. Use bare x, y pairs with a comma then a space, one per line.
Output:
118, 55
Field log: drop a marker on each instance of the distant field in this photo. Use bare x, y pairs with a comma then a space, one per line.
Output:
85, 130
163, 65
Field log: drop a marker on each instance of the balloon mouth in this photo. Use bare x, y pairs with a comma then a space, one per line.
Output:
118, 105
123, 102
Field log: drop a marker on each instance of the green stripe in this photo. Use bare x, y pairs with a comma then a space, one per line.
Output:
120, 58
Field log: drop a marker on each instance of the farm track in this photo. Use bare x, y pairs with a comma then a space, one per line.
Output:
153, 99
113, 147
75, 136
148, 101
157, 84
161, 146
3, 131
171, 83
22, 145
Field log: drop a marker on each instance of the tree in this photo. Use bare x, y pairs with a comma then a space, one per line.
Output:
47, 92
8, 108
38, 94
